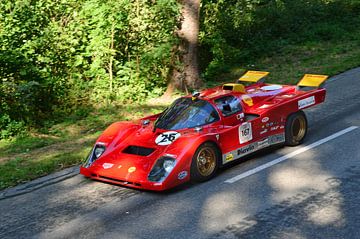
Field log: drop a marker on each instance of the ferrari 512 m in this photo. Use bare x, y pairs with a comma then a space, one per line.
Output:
201, 132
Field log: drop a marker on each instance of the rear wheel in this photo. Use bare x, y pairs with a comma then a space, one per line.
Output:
296, 128
205, 162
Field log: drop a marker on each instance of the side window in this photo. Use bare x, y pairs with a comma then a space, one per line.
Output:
228, 105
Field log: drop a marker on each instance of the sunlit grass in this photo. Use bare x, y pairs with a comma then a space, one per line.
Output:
291, 62
61, 145
326, 47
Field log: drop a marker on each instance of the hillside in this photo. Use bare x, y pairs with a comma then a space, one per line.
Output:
70, 68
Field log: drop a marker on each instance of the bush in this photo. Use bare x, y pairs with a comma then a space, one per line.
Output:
237, 32
10, 128
57, 56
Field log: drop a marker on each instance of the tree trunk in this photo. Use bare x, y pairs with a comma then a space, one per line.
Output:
188, 75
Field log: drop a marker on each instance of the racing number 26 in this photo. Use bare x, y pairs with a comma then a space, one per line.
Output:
167, 138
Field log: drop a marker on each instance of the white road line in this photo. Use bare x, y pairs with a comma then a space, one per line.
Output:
290, 155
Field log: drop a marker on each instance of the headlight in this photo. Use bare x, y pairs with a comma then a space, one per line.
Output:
95, 153
168, 165
161, 169
99, 150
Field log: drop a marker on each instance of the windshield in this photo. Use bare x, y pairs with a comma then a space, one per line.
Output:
187, 113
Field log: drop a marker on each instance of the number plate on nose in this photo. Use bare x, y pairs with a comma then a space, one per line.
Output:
167, 138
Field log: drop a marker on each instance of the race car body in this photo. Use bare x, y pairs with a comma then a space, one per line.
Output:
199, 133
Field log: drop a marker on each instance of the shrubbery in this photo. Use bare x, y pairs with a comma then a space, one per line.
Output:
58, 55
239, 32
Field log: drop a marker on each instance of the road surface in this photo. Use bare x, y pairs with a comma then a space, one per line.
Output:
312, 193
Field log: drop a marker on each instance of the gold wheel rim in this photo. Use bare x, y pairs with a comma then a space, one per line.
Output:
206, 161
298, 128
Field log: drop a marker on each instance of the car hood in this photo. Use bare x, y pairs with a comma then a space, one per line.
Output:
132, 158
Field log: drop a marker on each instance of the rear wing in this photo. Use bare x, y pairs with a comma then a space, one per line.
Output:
253, 76
310, 80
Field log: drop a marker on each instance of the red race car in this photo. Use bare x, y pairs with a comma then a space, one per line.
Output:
203, 131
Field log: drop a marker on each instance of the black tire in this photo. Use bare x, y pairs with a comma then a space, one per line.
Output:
205, 162
296, 128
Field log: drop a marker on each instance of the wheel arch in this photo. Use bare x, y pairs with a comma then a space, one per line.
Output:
195, 171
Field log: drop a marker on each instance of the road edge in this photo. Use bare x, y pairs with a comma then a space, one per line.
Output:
39, 182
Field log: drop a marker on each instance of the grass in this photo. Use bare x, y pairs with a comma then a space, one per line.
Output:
63, 144
291, 62
292, 41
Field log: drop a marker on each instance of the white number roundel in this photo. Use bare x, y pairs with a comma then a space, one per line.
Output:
167, 138
245, 132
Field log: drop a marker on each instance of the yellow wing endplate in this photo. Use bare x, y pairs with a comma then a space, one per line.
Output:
253, 76
312, 80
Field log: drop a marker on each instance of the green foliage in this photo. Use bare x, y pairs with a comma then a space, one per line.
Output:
240, 32
10, 127
57, 55
124, 48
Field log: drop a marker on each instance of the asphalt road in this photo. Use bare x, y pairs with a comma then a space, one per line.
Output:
313, 194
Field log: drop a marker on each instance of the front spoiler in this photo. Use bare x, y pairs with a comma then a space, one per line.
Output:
147, 185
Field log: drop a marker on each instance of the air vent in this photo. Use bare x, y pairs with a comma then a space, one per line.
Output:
138, 150
234, 87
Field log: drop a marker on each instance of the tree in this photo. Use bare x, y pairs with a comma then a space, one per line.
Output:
187, 75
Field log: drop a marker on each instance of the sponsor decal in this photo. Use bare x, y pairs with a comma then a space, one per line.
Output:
274, 128
119, 166
277, 138
167, 138
132, 169
265, 119
245, 132
281, 127
306, 102
250, 148
229, 157
263, 143
182, 175
107, 165
217, 137
264, 131
246, 150
248, 100
240, 116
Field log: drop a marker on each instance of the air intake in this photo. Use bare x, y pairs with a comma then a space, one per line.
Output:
234, 87
138, 150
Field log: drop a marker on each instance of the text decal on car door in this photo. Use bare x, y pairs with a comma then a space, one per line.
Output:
245, 132
167, 138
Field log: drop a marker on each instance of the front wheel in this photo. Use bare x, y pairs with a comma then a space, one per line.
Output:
205, 162
296, 128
